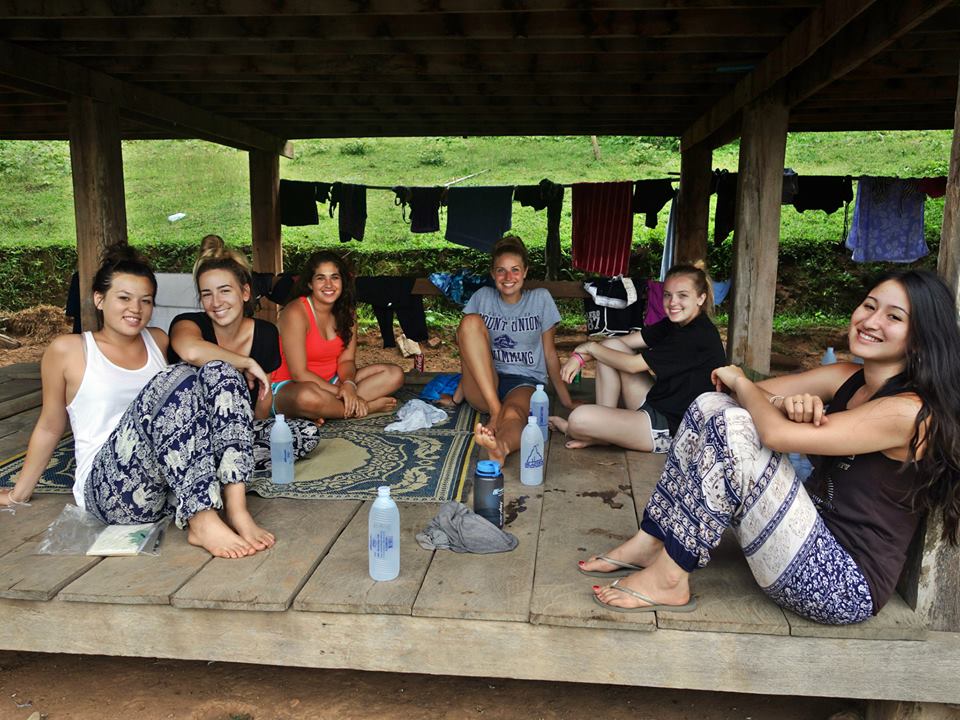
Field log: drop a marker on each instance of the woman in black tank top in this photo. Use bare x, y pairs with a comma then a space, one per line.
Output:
883, 435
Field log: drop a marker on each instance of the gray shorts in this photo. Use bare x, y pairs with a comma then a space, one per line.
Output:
660, 436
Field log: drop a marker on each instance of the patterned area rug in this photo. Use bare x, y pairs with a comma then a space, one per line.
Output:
351, 460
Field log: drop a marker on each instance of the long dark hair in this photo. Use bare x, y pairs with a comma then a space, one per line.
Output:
933, 372
120, 260
345, 306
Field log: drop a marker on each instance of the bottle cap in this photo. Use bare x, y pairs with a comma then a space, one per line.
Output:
531, 420
383, 491
280, 417
488, 468
539, 387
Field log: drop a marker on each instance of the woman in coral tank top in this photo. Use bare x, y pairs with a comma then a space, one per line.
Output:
318, 376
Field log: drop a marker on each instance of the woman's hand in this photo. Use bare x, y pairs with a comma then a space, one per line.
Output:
353, 404
570, 369
254, 374
725, 378
804, 408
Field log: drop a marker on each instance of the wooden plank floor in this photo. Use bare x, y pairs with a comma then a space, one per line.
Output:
315, 580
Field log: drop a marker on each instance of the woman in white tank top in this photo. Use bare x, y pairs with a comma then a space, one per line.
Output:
150, 440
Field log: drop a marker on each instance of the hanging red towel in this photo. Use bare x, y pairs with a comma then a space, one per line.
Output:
602, 227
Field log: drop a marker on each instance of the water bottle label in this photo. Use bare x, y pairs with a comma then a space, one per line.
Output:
534, 459
497, 491
287, 456
381, 542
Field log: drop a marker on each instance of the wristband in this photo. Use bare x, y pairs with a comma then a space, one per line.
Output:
351, 382
579, 358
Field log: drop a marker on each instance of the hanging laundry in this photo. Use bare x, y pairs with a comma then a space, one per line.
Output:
726, 187
933, 187
887, 221
425, 209
538, 196
649, 197
478, 216
790, 186
352, 219
721, 288
655, 312
602, 227
389, 295
298, 201
669, 241
822, 192
460, 286
612, 307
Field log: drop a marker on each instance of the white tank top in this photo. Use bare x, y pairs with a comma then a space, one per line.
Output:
105, 393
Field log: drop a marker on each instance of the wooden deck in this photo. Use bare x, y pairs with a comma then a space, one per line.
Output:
524, 614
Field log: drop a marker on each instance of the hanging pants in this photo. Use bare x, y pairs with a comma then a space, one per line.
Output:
718, 475
187, 432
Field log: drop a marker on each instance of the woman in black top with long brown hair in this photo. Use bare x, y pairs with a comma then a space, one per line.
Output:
887, 437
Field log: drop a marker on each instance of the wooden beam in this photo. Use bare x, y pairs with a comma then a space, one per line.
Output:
265, 219
35, 72
694, 204
759, 22
332, 8
756, 236
851, 32
98, 197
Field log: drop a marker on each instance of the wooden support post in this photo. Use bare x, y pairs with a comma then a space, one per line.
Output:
937, 573
96, 160
756, 238
694, 204
265, 219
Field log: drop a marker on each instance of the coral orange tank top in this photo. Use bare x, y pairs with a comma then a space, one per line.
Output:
322, 354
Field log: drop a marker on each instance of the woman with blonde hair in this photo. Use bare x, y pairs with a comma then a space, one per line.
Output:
646, 380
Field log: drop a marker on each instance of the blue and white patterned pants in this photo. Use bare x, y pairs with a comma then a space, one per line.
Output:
187, 432
718, 475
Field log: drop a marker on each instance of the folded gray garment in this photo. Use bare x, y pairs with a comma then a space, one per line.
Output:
456, 527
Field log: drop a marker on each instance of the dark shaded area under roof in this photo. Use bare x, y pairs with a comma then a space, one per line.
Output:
350, 68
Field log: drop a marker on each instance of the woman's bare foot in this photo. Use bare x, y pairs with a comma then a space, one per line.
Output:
383, 404
557, 423
487, 439
447, 401
641, 550
207, 530
651, 583
242, 521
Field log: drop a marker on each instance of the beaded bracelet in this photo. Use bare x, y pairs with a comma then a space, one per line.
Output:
351, 382
773, 400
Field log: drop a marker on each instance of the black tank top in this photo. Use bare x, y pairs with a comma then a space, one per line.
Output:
865, 502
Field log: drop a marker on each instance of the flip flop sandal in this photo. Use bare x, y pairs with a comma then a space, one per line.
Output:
651, 606
624, 568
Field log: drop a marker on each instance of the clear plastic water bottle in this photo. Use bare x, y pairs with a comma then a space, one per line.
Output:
488, 492
281, 452
829, 357
531, 453
383, 532
540, 409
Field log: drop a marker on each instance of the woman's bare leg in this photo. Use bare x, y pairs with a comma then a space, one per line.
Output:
598, 425
479, 378
663, 581
511, 419
240, 519
642, 549
376, 383
307, 400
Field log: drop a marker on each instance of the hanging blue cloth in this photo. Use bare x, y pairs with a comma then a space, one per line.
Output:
887, 221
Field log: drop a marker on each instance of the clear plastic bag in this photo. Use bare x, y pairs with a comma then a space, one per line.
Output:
77, 532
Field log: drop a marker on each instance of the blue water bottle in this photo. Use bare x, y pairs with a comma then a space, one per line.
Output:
488, 492
540, 409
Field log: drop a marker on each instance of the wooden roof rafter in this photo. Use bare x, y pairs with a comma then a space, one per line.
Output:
41, 74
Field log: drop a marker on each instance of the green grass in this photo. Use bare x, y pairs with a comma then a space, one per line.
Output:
210, 183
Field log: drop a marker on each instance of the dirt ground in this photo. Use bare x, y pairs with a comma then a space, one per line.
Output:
34, 686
